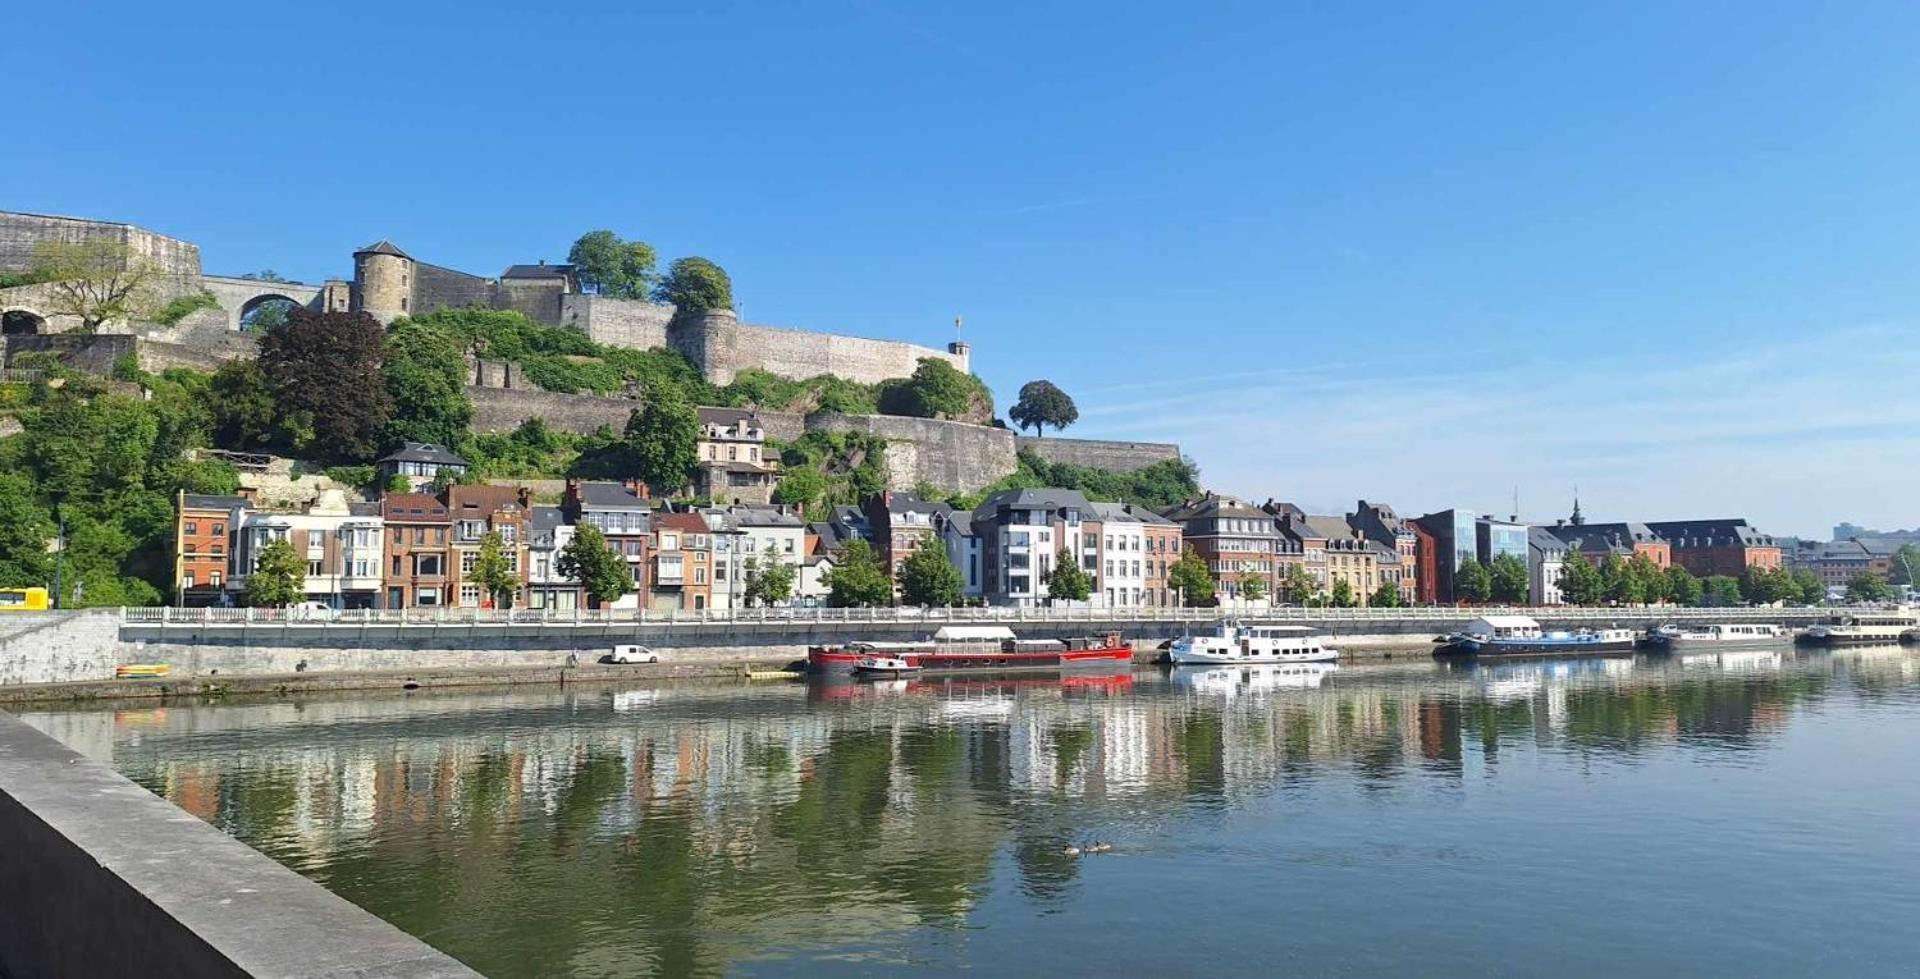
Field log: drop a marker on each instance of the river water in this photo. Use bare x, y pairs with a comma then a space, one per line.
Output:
1731, 815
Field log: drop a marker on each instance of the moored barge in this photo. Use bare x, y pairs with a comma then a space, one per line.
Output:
989, 649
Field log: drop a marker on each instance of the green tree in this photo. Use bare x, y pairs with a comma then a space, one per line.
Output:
936, 389
1906, 562
491, 572
802, 486
1067, 580
1648, 579
324, 372
770, 583
928, 579
1253, 587
1507, 579
1042, 404
693, 285
1473, 582
1682, 587
1342, 595
1580, 580
1385, 596
1296, 585
26, 525
857, 578
241, 405
279, 576
1720, 591
426, 379
1617, 584
1868, 587
1190, 579
1808, 588
95, 281
588, 560
1765, 586
662, 439
611, 266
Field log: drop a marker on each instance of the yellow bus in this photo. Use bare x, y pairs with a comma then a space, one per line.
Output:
23, 599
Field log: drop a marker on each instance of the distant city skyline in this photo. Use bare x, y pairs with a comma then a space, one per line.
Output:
1663, 253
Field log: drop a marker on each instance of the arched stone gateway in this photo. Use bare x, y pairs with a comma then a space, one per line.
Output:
22, 323
266, 310
246, 301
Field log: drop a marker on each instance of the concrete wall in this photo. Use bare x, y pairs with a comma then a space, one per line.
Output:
103, 878
57, 647
22, 234
951, 455
1112, 456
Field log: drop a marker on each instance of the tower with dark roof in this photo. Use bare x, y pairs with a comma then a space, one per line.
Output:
383, 280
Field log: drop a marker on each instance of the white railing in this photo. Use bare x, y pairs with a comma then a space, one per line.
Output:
441, 617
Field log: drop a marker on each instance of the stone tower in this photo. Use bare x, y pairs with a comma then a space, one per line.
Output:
383, 279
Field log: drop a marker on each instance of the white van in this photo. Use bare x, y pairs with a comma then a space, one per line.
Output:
633, 653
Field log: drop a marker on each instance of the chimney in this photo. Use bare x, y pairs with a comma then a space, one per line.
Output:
526, 497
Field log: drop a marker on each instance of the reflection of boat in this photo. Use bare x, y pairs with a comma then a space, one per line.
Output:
1254, 677
1715, 636
960, 648
962, 686
1232, 642
883, 666
1518, 635
1881, 626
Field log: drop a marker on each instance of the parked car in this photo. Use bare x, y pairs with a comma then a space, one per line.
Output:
311, 611
632, 653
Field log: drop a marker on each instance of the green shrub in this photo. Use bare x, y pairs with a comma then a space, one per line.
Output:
180, 307
358, 477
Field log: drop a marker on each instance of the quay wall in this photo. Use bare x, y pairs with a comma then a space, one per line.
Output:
103, 878
85, 646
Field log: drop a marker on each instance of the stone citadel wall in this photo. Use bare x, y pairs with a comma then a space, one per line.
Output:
21, 234
722, 346
1098, 454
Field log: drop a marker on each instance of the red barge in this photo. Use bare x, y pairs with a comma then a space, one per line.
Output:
988, 649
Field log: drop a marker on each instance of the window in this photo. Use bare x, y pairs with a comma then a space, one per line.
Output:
419, 535
213, 579
469, 596
396, 565
427, 565
467, 560
787, 545
186, 580
439, 535
427, 597
219, 550
193, 526
399, 536
699, 576
513, 560
220, 529
313, 568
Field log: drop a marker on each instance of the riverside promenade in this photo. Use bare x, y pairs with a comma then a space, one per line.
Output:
85, 647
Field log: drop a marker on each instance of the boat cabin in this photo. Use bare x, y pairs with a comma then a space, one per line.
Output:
1504, 627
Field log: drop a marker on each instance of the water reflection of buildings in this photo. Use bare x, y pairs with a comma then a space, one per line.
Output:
771, 803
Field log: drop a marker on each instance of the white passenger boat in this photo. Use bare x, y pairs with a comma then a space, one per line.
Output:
1879, 626
1716, 636
1235, 643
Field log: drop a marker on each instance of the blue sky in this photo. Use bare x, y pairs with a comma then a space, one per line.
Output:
1421, 253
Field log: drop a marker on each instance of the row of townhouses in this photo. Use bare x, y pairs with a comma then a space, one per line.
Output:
414, 550
419, 549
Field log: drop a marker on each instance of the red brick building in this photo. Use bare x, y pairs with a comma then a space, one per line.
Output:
1726, 546
203, 544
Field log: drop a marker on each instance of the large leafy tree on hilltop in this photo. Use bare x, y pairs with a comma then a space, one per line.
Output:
324, 372
694, 284
612, 266
936, 389
1042, 404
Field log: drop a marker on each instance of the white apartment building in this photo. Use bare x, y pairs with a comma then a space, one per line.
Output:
761, 535
1117, 543
341, 542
